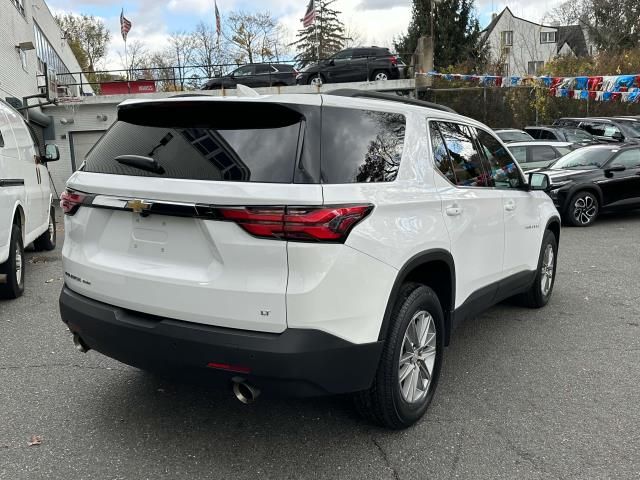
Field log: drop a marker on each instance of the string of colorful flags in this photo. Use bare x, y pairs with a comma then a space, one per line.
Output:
611, 88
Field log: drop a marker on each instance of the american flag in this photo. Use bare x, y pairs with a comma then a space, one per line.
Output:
309, 17
125, 25
218, 25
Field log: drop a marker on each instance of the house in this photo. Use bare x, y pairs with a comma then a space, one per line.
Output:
35, 59
521, 47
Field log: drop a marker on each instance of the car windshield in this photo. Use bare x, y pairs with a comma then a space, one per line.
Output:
577, 135
584, 159
514, 136
632, 125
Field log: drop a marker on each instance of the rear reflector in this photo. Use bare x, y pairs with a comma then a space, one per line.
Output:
310, 224
229, 368
70, 201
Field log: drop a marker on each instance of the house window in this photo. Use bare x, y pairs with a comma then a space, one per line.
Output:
548, 37
506, 38
19, 5
534, 68
504, 69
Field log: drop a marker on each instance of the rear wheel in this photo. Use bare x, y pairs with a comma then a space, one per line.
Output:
583, 209
47, 241
410, 363
12, 271
316, 80
380, 76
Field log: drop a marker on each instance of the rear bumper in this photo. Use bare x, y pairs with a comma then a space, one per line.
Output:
296, 362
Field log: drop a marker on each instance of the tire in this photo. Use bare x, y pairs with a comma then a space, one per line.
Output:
47, 241
540, 293
317, 80
382, 74
583, 209
14, 267
390, 402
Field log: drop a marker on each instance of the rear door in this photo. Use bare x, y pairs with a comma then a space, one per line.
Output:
623, 187
263, 76
8, 177
191, 239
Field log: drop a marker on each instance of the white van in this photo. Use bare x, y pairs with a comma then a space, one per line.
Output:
26, 214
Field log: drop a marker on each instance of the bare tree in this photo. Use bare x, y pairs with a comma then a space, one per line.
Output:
254, 36
352, 36
181, 52
210, 52
569, 12
137, 58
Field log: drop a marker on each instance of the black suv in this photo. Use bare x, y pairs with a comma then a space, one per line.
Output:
255, 75
561, 134
605, 129
595, 178
354, 65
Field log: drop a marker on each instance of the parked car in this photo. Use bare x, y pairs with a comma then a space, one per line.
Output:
509, 135
293, 243
26, 215
256, 75
605, 129
562, 134
538, 154
354, 65
594, 179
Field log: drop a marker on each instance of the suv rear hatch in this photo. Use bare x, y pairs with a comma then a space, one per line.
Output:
180, 209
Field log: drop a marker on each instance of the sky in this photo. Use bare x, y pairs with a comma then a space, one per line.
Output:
378, 21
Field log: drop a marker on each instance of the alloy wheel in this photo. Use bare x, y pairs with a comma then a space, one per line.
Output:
316, 81
381, 76
585, 209
417, 357
18, 265
547, 270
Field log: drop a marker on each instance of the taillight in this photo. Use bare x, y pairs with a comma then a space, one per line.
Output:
394, 61
303, 224
70, 201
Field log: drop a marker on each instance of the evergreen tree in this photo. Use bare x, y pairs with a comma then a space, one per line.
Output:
457, 33
329, 31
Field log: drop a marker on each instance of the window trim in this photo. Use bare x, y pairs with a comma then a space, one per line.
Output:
555, 37
504, 36
19, 4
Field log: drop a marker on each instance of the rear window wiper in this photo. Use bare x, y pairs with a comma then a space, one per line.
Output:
140, 162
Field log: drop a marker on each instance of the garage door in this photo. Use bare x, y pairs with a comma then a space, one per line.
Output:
81, 143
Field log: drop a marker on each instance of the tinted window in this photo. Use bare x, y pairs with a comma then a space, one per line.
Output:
541, 153
534, 132
263, 69
520, 153
628, 158
360, 145
466, 160
242, 71
187, 144
584, 159
1, 140
440, 155
345, 54
514, 136
601, 129
502, 169
547, 135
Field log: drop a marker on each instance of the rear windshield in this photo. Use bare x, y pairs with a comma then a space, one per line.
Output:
214, 144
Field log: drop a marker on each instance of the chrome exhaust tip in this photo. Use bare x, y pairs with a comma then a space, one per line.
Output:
244, 392
79, 344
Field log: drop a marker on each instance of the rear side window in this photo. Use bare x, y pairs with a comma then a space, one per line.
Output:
541, 153
520, 153
361, 146
205, 141
440, 154
503, 172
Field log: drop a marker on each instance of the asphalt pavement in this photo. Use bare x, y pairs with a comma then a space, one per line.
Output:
526, 394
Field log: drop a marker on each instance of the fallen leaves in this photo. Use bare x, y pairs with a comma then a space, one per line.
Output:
35, 440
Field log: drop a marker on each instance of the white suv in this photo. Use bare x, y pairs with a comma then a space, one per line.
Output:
306, 244
26, 214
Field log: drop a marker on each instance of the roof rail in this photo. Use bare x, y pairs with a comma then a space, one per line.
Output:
353, 93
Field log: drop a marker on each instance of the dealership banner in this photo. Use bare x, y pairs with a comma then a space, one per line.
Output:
612, 88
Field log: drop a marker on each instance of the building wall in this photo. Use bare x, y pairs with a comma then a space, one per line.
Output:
526, 43
17, 28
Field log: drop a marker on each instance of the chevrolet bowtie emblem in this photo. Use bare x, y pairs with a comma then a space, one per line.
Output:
139, 206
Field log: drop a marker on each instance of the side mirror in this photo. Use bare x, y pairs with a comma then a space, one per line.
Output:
51, 152
331, 62
539, 181
614, 168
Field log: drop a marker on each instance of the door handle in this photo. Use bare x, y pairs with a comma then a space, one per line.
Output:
510, 206
454, 210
